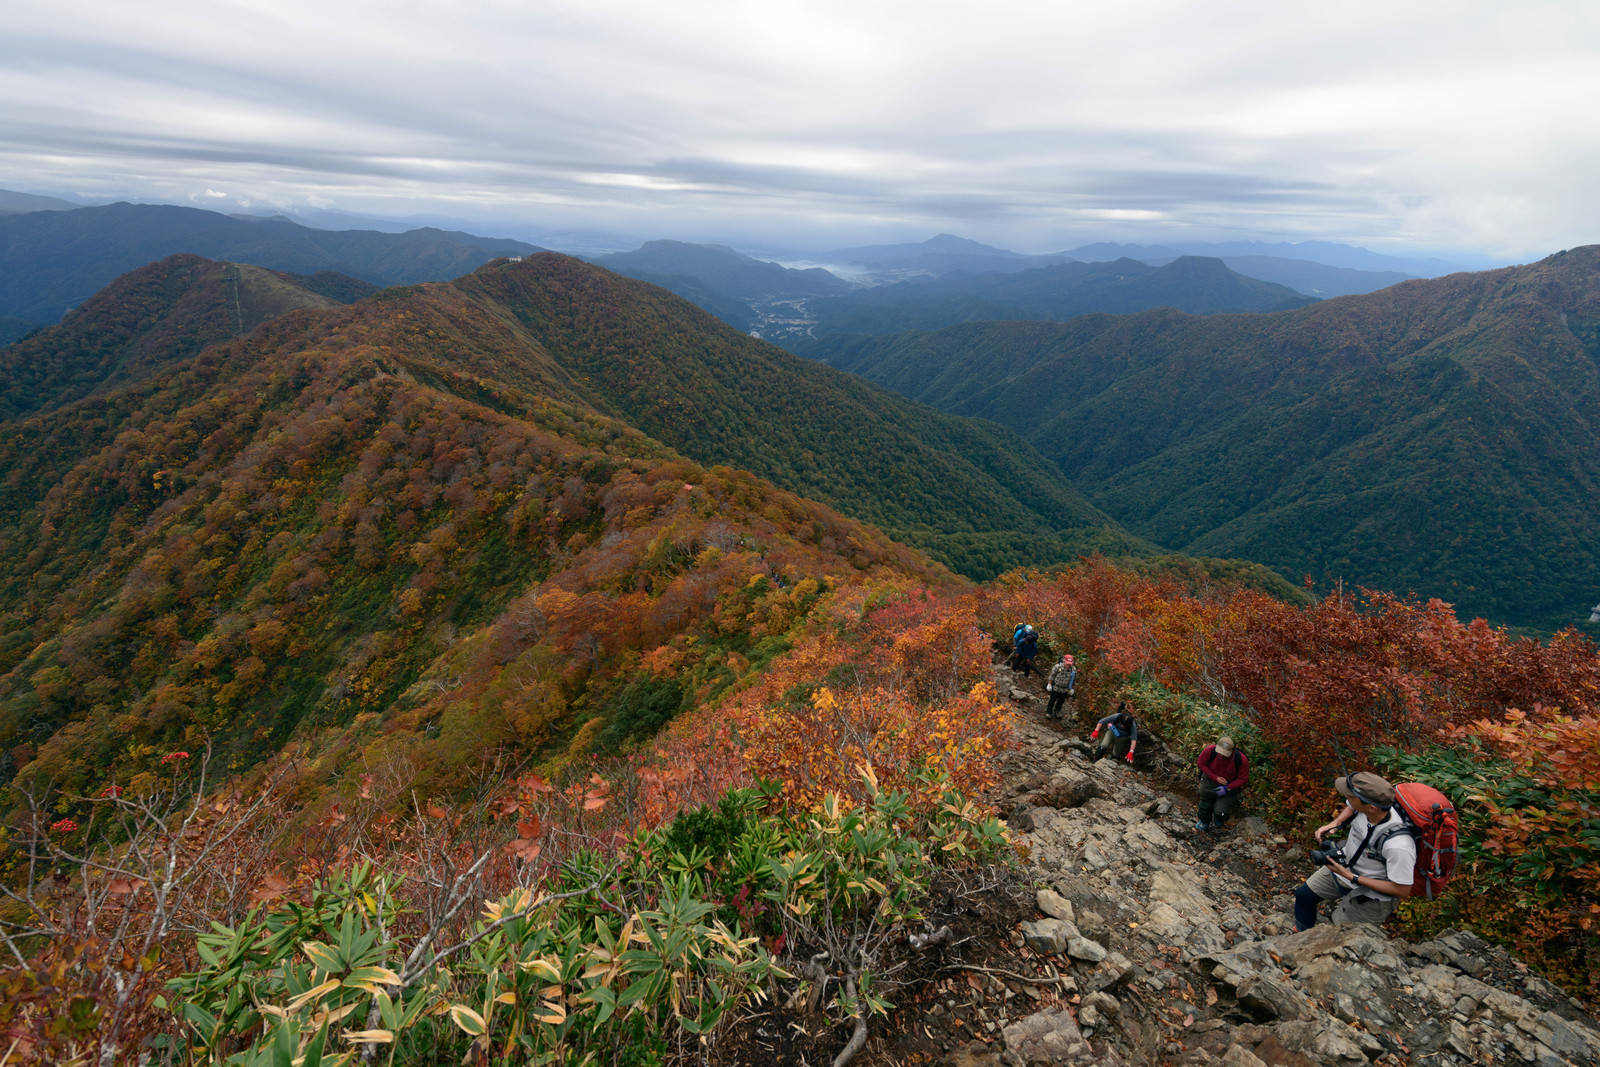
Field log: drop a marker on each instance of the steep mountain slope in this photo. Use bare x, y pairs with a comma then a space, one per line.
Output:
50, 261
970, 494
1053, 293
1439, 436
313, 535
272, 537
142, 323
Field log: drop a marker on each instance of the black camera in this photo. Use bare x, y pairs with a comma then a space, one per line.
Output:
1321, 856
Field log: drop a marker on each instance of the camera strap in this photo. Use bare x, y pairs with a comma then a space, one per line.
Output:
1353, 858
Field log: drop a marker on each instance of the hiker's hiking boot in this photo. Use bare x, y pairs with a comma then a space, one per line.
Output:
1203, 827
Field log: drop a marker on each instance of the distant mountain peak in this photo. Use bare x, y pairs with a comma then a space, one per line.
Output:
949, 242
13, 202
668, 244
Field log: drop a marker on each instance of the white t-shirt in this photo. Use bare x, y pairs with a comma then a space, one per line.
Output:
1397, 862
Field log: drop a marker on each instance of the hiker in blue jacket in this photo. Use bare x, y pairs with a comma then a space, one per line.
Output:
1027, 647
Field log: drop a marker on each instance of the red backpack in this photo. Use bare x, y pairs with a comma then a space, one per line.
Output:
1431, 819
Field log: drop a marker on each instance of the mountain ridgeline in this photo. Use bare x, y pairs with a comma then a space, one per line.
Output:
1439, 436
972, 495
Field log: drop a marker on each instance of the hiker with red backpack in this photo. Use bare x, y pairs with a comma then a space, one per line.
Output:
1401, 843
1224, 772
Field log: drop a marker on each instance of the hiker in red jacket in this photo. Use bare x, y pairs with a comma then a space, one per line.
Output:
1224, 770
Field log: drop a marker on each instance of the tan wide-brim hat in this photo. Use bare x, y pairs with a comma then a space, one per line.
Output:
1366, 787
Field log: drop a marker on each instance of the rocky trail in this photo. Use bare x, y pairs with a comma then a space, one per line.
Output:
1131, 938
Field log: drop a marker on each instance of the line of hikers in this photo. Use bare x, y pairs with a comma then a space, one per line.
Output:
1401, 840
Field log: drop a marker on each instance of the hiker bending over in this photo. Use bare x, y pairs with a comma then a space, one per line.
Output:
1026, 645
1372, 869
1121, 734
1063, 678
1224, 770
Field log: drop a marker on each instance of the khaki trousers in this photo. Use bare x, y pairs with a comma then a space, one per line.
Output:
1357, 906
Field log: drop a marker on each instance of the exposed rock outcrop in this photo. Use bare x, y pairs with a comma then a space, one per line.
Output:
1177, 947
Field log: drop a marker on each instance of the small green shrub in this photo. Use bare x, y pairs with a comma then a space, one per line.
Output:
616, 958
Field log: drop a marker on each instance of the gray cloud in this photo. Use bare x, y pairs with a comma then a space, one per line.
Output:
1426, 125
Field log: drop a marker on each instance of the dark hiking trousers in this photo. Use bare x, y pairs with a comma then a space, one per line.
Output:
1214, 810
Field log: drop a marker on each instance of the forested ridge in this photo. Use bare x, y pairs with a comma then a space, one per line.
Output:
1438, 436
142, 323
267, 544
972, 495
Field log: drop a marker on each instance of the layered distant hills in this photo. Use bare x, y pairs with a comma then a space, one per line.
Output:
1315, 268
944, 285
1052, 293
736, 288
53, 260
1438, 436
54, 255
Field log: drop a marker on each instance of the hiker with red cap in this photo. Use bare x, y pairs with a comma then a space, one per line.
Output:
1060, 685
1375, 865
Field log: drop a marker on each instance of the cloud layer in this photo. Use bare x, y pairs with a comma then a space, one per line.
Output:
1452, 126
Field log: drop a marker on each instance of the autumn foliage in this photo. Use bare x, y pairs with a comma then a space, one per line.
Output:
884, 678
1505, 725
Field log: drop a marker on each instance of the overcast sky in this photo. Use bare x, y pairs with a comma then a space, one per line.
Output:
1459, 126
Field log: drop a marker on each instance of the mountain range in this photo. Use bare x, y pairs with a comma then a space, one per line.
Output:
54, 254
53, 260
992, 502
1052, 293
1441, 436
1325, 253
1315, 268
792, 306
